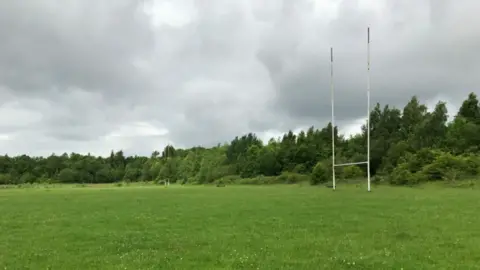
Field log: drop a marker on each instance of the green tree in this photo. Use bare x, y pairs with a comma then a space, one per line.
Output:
67, 175
470, 109
104, 175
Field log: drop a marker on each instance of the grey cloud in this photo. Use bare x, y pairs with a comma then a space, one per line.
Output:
55, 50
86, 71
52, 44
421, 58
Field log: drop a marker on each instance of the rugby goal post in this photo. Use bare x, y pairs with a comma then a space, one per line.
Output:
332, 93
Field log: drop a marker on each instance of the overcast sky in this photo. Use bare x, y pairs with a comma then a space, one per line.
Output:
91, 76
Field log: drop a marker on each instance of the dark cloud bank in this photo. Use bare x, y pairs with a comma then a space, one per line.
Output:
81, 77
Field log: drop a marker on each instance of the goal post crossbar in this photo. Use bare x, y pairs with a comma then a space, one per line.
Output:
350, 164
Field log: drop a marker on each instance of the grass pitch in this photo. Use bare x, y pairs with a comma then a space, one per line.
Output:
270, 227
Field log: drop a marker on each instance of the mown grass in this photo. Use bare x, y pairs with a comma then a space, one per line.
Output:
239, 227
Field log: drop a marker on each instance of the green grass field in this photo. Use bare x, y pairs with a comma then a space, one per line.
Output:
239, 227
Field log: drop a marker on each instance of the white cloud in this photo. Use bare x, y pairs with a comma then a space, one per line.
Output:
17, 114
171, 13
137, 129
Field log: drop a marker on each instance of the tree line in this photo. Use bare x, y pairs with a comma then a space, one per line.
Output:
408, 146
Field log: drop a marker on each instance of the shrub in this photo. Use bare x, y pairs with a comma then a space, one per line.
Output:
422, 158
472, 165
184, 181
291, 178
445, 167
5, 179
228, 180
378, 179
221, 183
284, 178
401, 175
467, 183
259, 180
320, 174
295, 178
27, 178
300, 168
231, 178
352, 172
44, 180
432, 165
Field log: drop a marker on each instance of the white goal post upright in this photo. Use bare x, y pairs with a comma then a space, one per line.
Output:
368, 107
332, 94
167, 148
368, 118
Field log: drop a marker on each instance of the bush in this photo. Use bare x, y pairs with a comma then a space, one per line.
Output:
300, 168
184, 181
160, 182
27, 178
227, 180
352, 172
44, 180
432, 165
231, 178
472, 165
378, 179
122, 184
284, 178
401, 175
5, 179
320, 174
463, 184
422, 158
291, 178
445, 167
259, 180
220, 183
